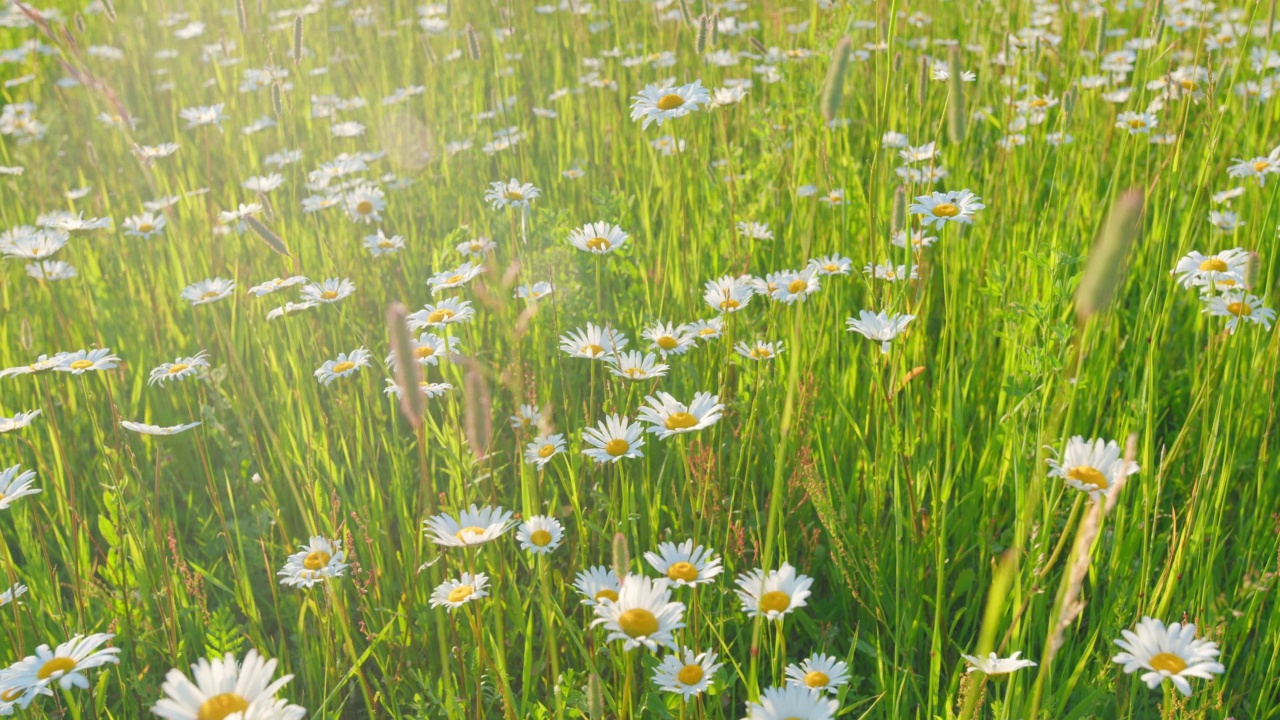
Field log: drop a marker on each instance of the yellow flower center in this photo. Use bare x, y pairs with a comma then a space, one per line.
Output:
81, 364
385, 244
540, 537
617, 446
1239, 309
423, 351
1213, 264
760, 352
343, 366
816, 679
638, 622
1037, 103
704, 332
680, 421
945, 210
729, 304
592, 350
546, 451
797, 286
607, 594
468, 530
670, 101
220, 706
513, 195
315, 560
690, 675
1261, 165
635, 373
830, 267
176, 368
598, 243
56, 665
146, 227
1167, 662
775, 601
1088, 475
682, 571
453, 280
1137, 123
364, 207
439, 316
460, 593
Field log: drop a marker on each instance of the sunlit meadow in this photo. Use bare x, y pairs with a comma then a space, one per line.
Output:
782, 359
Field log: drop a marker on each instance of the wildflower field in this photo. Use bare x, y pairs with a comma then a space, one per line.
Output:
769, 359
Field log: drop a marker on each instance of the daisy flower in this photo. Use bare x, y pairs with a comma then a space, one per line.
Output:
475, 526
684, 564
669, 339
536, 291
427, 349
511, 194
208, 291
635, 365
1209, 272
144, 225
831, 265
613, 439
83, 361
379, 244
203, 115
755, 230
313, 563
540, 451
449, 279
16, 591
540, 534
796, 286
1136, 123
1259, 168
687, 673
659, 103
291, 308
275, 284
759, 349
706, 330
64, 665
145, 429
224, 687
477, 247
774, 594
1171, 652
938, 209
18, 421
819, 672
526, 418
15, 484
365, 203
1238, 307
428, 389
599, 238
881, 327
447, 312
596, 585
994, 666
1091, 466
792, 702
330, 291
668, 416
44, 363
453, 594
643, 614
888, 271
342, 366
178, 369
593, 344
727, 294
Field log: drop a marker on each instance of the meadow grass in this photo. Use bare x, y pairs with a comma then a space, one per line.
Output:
911, 486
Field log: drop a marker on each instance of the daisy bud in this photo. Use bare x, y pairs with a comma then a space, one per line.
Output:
272, 240
833, 86
473, 42
595, 698
621, 556
408, 370
297, 40
704, 31
1103, 270
956, 115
